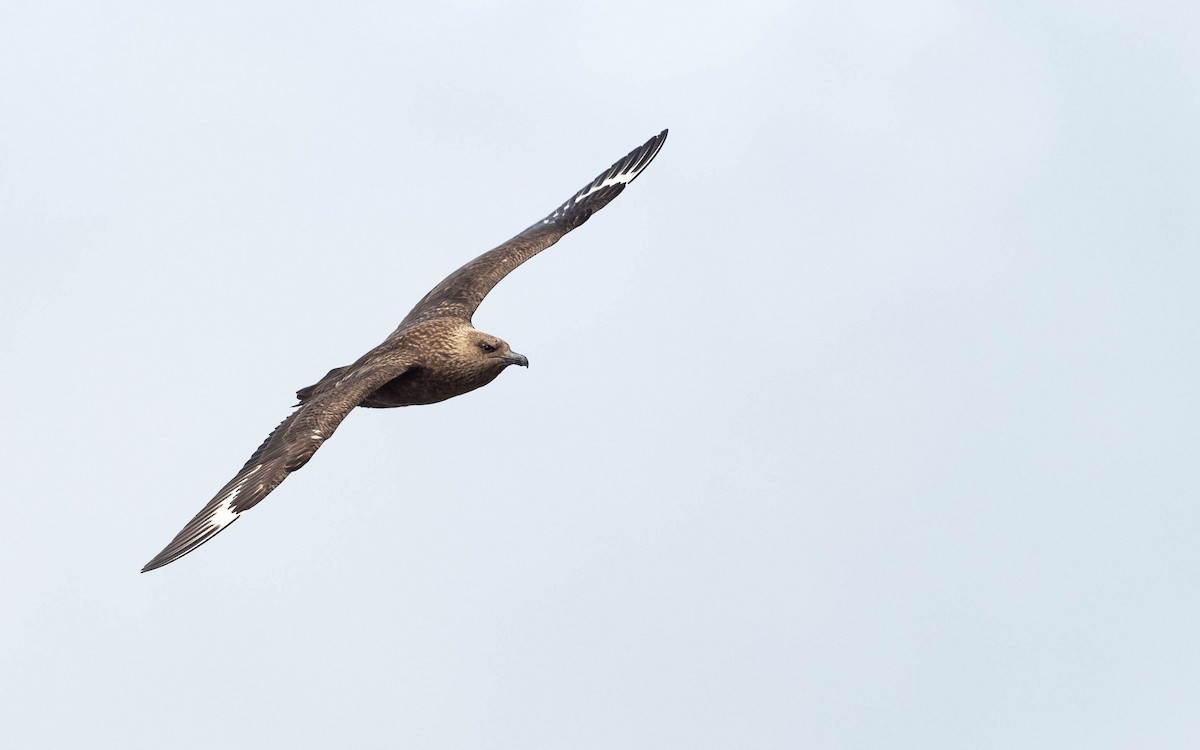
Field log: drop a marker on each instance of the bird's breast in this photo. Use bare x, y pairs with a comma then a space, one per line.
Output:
425, 386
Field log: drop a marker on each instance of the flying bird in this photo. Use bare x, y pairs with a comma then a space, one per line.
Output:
433, 355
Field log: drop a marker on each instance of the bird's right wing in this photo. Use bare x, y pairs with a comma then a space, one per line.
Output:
461, 292
285, 450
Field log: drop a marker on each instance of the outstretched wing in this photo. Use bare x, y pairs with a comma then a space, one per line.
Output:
461, 292
285, 450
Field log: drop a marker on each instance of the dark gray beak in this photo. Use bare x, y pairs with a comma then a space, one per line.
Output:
513, 358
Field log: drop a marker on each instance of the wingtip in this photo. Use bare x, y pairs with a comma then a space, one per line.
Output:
159, 561
163, 559
193, 536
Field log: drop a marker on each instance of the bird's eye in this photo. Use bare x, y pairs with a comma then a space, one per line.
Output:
487, 347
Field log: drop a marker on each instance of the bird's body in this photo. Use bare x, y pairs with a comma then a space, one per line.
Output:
436, 365
435, 354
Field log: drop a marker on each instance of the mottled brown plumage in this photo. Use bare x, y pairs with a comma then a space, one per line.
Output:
434, 354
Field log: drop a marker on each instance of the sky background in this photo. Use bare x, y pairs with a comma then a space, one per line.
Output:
866, 418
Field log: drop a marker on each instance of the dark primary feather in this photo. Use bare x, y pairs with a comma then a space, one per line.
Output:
430, 357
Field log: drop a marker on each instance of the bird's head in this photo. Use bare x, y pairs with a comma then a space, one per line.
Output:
490, 352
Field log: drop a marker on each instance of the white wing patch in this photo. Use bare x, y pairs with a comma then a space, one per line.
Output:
624, 177
224, 514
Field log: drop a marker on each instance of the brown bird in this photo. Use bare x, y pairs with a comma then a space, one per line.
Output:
434, 354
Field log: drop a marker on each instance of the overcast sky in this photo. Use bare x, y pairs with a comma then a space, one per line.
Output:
866, 418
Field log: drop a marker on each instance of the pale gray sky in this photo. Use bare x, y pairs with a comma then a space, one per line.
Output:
866, 418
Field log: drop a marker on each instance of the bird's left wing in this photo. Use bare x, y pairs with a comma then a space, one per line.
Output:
285, 450
461, 292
